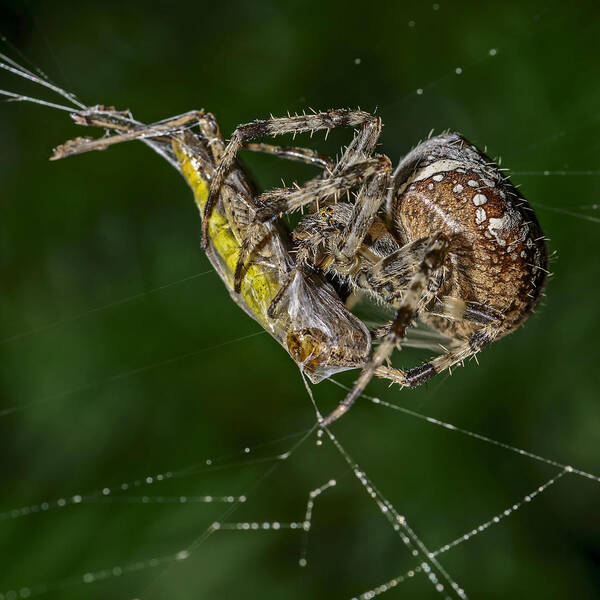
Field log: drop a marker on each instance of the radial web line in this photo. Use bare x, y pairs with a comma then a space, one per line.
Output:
105, 498
400, 525
392, 583
477, 436
232, 508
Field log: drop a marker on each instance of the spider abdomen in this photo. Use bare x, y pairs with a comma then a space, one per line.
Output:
497, 254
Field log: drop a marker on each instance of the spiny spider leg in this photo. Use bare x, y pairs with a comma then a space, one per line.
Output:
464, 310
368, 202
364, 145
305, 155
281, 200
251, 244
374, 170
418, 375
406, 313
132, 130
393, 273
395, 270
457, 309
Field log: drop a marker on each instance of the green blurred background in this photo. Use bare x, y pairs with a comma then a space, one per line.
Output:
162, 382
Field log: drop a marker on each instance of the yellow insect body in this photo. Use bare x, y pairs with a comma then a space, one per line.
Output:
259, 285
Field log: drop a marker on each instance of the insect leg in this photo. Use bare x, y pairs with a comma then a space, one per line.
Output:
253, 241
131, 130
273, 309
406, 313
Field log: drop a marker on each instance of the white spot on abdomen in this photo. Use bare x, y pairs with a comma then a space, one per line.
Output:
479, 199
501, 228
480, 216
432, 170
457, 189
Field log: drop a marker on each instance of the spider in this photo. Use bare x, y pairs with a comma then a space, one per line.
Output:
444, 237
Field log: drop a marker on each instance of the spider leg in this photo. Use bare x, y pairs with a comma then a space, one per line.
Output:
362, 145
406, 313
282, 200
305, 155
391, 275
279, 200
418, 375
464, 310
456, 309
272, 203
364, 212
366, 207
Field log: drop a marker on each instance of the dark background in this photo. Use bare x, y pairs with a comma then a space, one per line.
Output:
162, 382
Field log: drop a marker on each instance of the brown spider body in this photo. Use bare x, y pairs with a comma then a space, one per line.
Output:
497, 254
